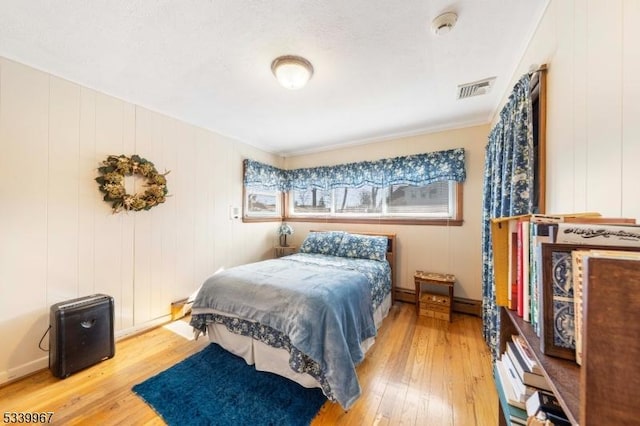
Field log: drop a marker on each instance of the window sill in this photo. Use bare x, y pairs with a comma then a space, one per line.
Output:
386, 221
261, 219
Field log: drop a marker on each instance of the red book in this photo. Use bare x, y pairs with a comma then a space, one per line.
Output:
519, 276
513, 271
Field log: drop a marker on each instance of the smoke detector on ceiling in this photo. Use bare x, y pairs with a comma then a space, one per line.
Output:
444, 23
480, 87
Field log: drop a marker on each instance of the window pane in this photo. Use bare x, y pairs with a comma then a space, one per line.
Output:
261, 202
365, 200
403, 202
311, 201
432, 199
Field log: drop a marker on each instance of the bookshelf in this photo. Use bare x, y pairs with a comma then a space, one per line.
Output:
562, 375
604, 389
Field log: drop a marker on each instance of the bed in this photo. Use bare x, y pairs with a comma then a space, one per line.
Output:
310, 316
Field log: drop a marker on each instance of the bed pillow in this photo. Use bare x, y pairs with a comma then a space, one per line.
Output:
322, 242
363, 247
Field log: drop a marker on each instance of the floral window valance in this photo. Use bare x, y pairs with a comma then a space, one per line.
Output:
260, 175
418, 170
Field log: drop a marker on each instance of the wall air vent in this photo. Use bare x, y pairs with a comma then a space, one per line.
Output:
476, 88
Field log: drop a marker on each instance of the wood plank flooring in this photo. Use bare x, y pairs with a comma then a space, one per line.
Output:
421, 371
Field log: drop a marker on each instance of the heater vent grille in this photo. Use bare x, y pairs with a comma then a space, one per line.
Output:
475, 88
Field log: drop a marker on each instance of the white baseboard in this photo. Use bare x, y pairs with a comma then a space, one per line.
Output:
24, 370
141, 328
43, 363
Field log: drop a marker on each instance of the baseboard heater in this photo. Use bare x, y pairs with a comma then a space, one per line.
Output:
81, 334
463, 306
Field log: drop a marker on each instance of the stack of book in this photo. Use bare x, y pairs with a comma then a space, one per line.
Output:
518, 376
544, 406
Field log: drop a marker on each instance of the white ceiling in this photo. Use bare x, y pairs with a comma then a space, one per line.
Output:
380, 71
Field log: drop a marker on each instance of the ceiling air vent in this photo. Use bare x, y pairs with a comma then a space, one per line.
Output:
476, 88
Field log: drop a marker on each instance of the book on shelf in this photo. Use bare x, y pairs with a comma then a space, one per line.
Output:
513, 265
502, 243
600, 219
540, 232
526, 353
518, 270
544, 406
521, 391
516, 421
513, 407
578, 259
527, 376
543, 402
507, 384
607, 234
523, 270
557, 420
514, 380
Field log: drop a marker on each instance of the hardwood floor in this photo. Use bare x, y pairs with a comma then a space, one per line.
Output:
421, 371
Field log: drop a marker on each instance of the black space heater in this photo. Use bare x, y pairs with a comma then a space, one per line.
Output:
81, 334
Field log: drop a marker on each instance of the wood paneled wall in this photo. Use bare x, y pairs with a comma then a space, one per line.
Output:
593, 131
59, 240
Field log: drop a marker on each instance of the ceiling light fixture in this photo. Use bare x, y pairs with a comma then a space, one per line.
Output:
292, 72
444, 23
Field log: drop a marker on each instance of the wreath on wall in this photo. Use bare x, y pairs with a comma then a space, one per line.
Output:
111, 180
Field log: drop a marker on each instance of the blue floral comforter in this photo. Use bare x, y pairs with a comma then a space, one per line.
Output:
318, 307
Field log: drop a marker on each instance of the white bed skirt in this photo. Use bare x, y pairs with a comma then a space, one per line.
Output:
276, 360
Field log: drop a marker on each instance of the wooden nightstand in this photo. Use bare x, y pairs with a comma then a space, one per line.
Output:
279, 251
434, 305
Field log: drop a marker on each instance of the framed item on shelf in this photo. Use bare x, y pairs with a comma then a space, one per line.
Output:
557, 322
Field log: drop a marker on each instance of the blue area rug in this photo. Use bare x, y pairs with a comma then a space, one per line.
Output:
215, 387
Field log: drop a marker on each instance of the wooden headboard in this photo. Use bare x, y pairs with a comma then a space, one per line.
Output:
391, 257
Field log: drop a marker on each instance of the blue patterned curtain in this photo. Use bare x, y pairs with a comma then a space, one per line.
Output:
260, 175
508, 188
419, 169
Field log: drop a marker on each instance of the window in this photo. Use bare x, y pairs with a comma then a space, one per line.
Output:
539, 123
433, 200
311, 201
366, 200
420, 188
262, 203
437, 200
